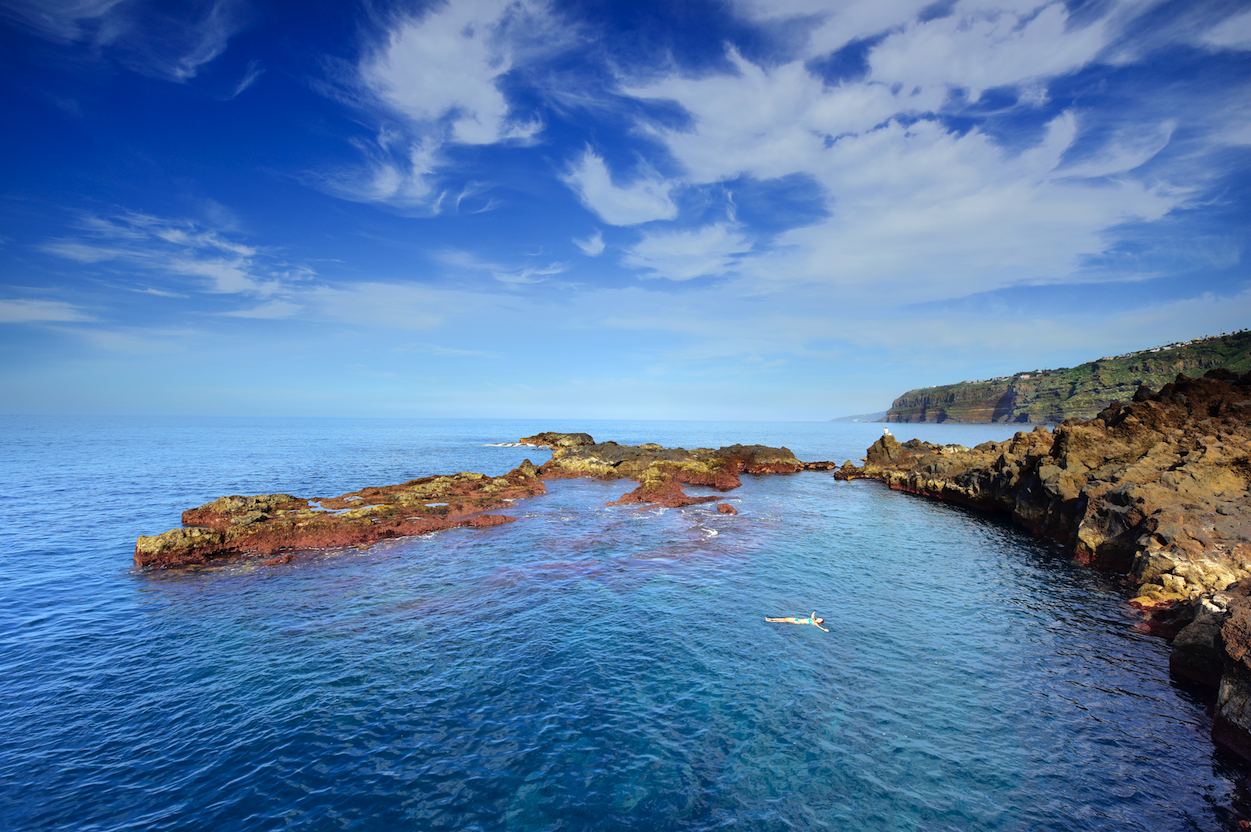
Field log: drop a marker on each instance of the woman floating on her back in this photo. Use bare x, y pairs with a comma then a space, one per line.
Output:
813, 620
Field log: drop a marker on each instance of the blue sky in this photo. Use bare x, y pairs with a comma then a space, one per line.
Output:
792, 209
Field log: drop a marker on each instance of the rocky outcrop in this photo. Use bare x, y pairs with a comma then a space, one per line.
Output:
235, 526
661, 471
1156, 488
267, 524
549, 439
658, 487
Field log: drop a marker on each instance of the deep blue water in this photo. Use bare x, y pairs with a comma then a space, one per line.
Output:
585, 667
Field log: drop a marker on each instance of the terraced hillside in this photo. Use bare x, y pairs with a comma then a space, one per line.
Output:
1051, 396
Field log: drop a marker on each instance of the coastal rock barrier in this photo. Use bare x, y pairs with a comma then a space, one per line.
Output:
1155, 489
265, 525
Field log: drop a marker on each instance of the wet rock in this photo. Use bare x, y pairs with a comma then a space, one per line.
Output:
1198, 651
196, 544
549, 439
661, 471
659, 487
257, 526
726, 508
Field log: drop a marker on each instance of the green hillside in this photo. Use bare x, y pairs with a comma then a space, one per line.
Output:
1051, 396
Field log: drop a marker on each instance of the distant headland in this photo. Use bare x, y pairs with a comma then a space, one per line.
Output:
1039, 397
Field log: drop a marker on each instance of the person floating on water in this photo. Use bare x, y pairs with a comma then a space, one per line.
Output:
813, 620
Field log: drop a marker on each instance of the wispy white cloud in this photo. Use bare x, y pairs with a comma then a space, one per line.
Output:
21, 311
1123, 152
913, 204
146, 341
173, 43
532, 274
643, 200
403, 179
177, 247
1233, 32
446, 65
685, 255
833, 25
389, 305
517, 275
160, 293
438, 80
592, 246
253, 74
268, 311
978, 48
452, 352
771, 122
62, 20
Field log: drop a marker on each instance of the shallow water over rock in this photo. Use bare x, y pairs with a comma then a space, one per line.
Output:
587, 667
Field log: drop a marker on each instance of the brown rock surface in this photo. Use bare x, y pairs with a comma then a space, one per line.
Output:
264, 525
550, 439
662, 471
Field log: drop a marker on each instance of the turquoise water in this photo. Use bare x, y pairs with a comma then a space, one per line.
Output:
587, 667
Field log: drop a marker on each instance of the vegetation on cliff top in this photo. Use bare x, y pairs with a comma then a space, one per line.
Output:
1051, 396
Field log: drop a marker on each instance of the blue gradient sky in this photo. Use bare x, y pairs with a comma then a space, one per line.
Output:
793, 209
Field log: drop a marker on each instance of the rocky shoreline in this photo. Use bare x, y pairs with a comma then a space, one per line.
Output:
238, 527
1155, 489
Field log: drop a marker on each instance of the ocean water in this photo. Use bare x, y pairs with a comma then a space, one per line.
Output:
587, 667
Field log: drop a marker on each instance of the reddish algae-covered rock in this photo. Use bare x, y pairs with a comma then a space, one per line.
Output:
266, 524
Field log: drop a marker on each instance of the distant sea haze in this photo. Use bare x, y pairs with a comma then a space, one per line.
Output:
586, 667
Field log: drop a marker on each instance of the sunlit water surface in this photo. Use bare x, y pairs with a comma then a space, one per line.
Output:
587, 667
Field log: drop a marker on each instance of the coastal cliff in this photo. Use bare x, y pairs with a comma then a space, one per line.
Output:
1050, 396
1156, 489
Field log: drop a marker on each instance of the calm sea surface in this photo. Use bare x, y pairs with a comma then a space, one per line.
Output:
585, 667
